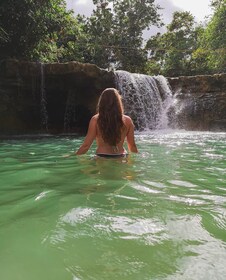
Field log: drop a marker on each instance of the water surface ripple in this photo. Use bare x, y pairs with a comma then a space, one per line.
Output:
161, 214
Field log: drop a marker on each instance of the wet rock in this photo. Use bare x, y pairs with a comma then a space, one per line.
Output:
200, 102
61, 98
54, 98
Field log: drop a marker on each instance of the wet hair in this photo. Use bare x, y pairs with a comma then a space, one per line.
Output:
110, 122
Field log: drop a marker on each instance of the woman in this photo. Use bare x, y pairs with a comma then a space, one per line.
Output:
110, 127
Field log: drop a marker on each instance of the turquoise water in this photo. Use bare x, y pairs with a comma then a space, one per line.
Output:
159, 215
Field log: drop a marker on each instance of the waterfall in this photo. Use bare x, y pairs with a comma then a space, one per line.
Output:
70, 111
44, 115
166, 115
146, 99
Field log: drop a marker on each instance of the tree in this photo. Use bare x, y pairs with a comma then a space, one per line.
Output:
173, 49
115, 32
199, 62
34, 28
62, 45
99, 29
133, 18
214, 38
216, 4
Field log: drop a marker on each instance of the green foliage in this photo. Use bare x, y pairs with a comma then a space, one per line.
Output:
133, 18
113, 36
216, 4
35, 29
188, 49
99, 30
44, 30
62, 45
173, 49
199, 62
115, 32
214, 39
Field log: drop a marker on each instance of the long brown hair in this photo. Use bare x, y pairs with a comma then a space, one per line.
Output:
110, 122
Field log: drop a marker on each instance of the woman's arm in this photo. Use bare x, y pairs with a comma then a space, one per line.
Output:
90, 136
130, 138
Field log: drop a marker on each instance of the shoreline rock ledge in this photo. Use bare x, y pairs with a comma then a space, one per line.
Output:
58, 98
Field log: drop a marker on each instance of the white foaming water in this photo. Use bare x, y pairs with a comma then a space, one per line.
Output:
146, 99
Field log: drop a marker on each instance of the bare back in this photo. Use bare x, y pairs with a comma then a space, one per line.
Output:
104, 148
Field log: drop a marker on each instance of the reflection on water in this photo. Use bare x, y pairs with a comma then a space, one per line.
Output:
160, 214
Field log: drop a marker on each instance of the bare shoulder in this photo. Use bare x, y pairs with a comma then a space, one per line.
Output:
94, 118
127, 120
93, 121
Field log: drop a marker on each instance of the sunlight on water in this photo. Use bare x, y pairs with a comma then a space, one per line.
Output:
161, 214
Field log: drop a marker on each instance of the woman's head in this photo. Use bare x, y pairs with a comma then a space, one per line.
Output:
110, 99
110, 120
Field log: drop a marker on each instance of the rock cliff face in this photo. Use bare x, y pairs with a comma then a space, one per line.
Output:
50, 98
61, 98
200, 102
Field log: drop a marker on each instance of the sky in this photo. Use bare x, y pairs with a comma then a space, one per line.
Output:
199, 8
